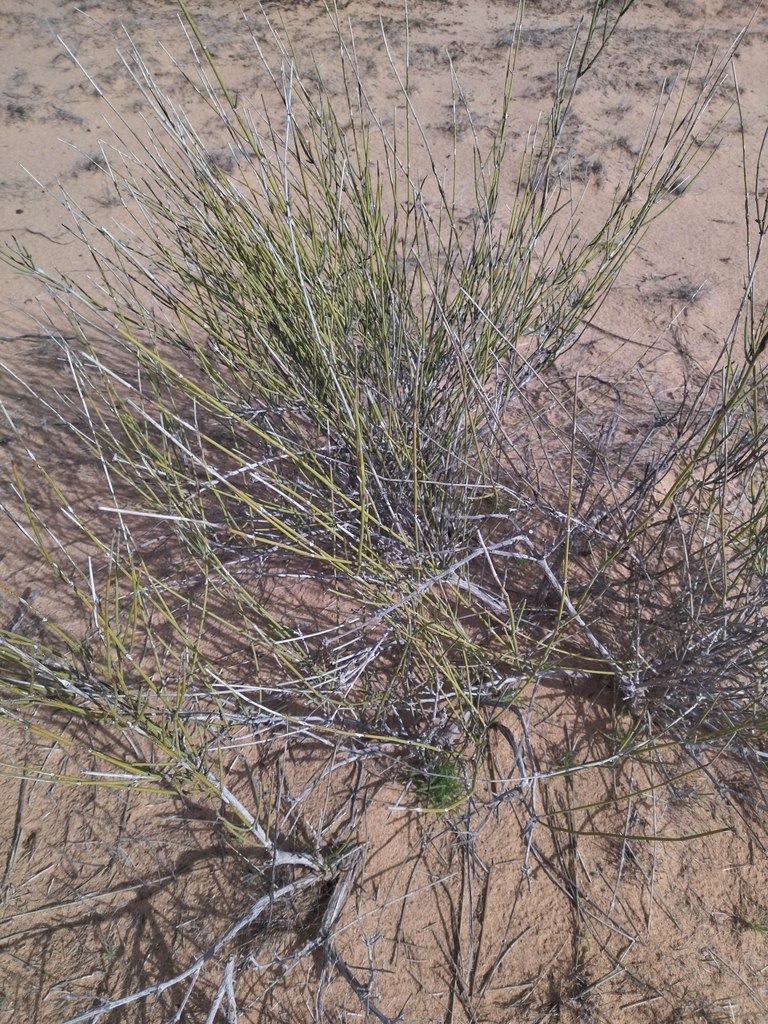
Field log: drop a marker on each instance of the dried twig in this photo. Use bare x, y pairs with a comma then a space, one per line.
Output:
14, 844
153, 991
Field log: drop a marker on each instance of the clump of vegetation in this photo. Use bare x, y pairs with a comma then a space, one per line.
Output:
94, 162
439, 782
16, 111
348, 503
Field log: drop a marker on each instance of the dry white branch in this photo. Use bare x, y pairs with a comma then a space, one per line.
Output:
152, 991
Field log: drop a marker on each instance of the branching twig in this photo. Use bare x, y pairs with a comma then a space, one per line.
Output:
152, 991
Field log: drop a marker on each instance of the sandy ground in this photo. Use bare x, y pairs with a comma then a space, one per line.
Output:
102, 892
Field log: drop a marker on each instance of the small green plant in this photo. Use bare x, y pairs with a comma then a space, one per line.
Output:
757, 924
567, 762
440, 785
623, 733
109, 952
759, 927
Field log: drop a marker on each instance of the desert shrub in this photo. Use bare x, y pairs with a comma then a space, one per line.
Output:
346, 498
